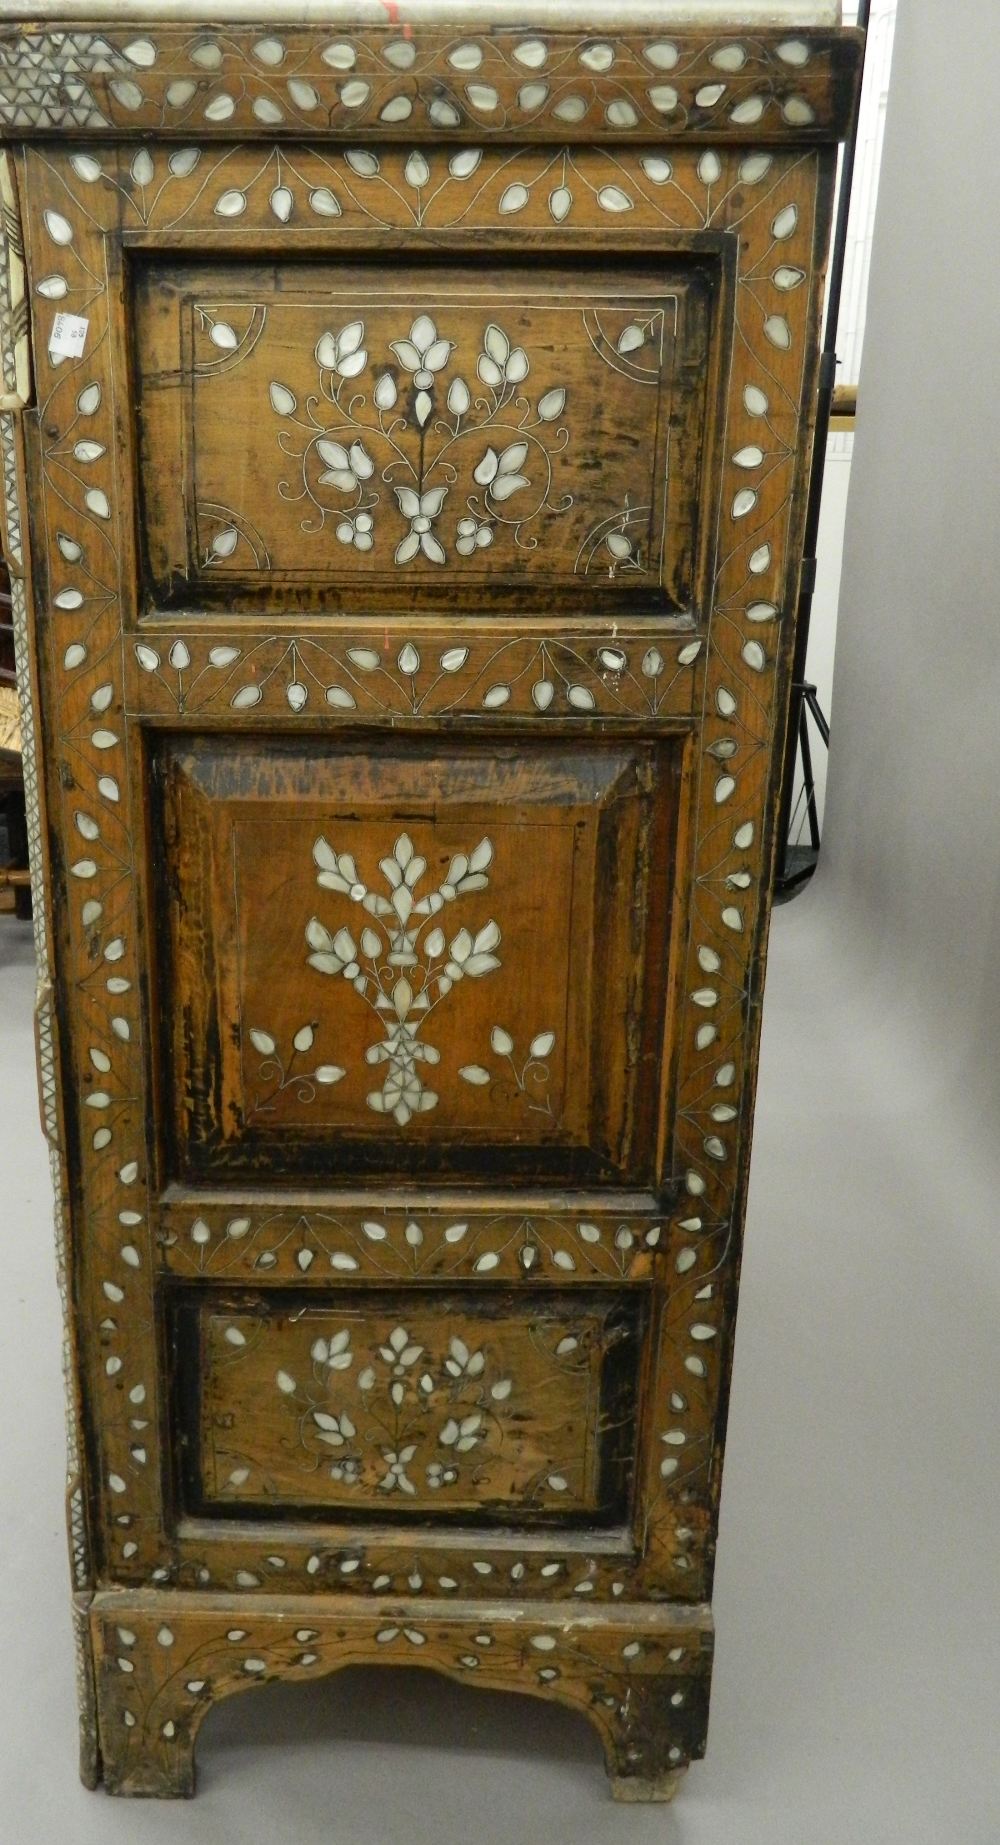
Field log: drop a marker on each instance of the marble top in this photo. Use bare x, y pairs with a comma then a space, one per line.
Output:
606, 15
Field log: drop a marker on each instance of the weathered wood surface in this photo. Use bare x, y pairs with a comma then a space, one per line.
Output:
402, 905
638, 1674
564, 79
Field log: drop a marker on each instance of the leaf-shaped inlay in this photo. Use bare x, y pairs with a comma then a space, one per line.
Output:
220, 108
786, 222
755, 167
85, 167
183, 161
532, 53
531, 96
463, 164
339, 56
59, 228
778, 331
303, 95
552, 404
128, 94
231, 204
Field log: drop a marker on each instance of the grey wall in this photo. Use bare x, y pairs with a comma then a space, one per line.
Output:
911, 861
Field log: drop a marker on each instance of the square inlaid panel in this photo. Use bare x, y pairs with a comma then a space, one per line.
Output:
400, 957
396, 1405
367, 437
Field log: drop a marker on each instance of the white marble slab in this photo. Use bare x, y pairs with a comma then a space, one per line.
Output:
601, 15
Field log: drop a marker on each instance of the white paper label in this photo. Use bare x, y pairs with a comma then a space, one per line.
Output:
68, 337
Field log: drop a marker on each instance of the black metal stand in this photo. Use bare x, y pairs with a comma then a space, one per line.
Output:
789, 875
800, 861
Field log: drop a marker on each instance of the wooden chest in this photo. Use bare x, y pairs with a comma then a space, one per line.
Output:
404, 431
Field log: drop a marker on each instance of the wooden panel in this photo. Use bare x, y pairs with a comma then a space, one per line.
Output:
358, 435
415, 957
586, 80
282, 712
386, 1406
767, 213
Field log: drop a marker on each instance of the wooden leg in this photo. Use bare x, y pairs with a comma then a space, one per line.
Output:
637, 1789
154, 1770
650, 1735
147, 1717
90, 1753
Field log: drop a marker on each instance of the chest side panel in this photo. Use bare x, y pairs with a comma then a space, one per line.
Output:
413, 636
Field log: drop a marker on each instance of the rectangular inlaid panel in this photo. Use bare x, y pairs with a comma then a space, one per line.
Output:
369, 437
375, 1405
402, 956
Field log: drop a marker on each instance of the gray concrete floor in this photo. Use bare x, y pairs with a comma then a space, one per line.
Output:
858, 1672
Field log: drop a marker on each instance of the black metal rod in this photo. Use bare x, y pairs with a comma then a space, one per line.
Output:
808, 779
827, 379
817, 711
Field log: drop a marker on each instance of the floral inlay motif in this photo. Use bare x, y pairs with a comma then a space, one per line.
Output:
398, 971
530, 1075
405, 433
412, 1420
415, 1407
610, 546
280, 1070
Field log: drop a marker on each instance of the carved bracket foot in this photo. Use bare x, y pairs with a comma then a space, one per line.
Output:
640, 1673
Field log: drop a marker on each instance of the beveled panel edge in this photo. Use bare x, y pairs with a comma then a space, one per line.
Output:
397, 1405
395, 672
330, 1243
552, 79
